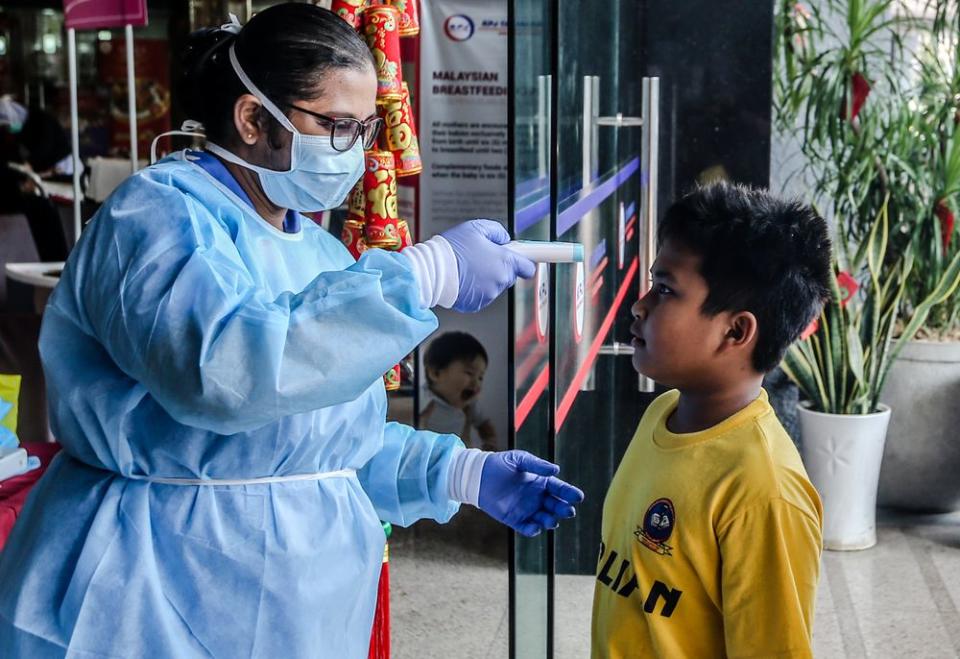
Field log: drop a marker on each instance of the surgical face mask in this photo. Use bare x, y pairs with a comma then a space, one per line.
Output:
319, 177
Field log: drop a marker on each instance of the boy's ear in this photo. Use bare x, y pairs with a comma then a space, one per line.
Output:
432, 374
741, 330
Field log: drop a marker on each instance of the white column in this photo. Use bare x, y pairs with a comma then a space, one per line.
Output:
131, 99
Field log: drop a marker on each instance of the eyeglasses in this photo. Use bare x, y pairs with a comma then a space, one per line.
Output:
345, 131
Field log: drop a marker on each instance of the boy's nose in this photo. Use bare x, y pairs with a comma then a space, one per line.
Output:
638, 309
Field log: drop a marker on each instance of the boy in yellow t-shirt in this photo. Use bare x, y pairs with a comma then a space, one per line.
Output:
711, 533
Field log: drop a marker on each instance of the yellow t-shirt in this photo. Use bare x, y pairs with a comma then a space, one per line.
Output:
711, 543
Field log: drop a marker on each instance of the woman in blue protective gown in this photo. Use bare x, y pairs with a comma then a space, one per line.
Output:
214, 369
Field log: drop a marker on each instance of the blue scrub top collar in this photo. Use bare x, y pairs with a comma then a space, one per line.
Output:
212, 165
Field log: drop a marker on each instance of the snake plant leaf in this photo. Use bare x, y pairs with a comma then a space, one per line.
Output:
855, 353
801, 372
945, 287
877, 244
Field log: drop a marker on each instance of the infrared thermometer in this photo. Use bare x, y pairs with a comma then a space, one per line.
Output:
542, 251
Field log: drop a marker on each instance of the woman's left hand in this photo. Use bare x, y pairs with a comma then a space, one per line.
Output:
522, 491
485, 267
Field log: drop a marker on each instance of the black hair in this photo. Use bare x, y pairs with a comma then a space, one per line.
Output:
450, 347
286, 50
759, 253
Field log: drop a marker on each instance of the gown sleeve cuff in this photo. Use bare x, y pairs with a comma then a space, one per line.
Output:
434, 264
466, 468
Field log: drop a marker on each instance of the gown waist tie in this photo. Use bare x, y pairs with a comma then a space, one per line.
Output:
317, 476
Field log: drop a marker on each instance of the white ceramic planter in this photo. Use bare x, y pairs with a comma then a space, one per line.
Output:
842, 454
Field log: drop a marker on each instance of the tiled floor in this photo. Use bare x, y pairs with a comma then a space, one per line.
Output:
898, 600
449, 590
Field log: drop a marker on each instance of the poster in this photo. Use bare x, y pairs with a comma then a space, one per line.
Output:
153, 91
463, 111
464, 140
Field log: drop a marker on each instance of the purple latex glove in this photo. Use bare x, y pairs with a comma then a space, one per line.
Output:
485, 268
523, 492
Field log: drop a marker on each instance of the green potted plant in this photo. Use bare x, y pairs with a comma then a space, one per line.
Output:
871, 90
841, 365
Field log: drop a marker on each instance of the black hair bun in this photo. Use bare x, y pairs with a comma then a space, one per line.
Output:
203, 59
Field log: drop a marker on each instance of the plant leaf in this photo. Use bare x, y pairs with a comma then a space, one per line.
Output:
855, 354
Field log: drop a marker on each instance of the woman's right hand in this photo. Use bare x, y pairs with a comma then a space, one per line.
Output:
485, 267
523, 492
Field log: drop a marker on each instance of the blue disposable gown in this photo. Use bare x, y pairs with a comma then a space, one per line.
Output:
188, 338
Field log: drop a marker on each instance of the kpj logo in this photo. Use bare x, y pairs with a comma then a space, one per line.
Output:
459, 27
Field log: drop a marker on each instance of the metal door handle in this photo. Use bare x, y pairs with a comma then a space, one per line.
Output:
616, 349
591, 143
620, 121
590, 170
649, 180
544, 90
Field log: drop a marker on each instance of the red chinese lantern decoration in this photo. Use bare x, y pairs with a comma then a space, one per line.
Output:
353, 237
381, 27
381, 209
409, 17
406, 239
391, 380
349, 10
373, 219
401, 135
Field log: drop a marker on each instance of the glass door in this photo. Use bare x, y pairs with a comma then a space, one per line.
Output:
531, 183
582, 161
596, 397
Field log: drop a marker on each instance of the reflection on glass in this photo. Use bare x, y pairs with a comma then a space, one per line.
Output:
531, 221
599, 187
593, 394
